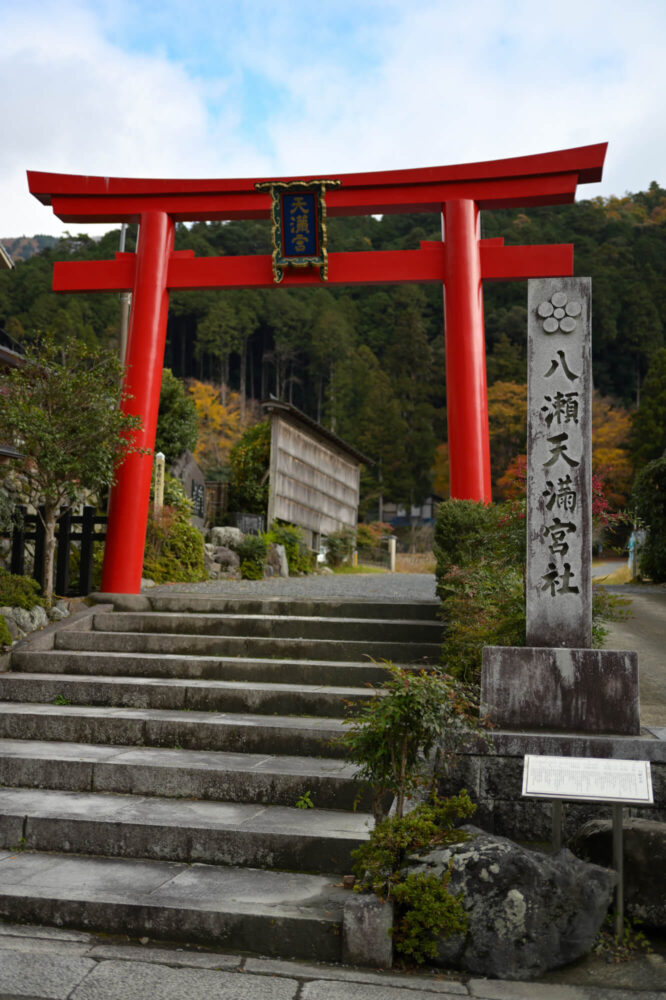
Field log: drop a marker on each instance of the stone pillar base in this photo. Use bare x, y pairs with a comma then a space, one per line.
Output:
562, 690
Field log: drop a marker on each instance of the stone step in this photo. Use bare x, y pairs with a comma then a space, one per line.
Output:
270, 626
76, 657
238, 733
202, 774
319, 607
184, 694
160, 829
243, 909
248, 647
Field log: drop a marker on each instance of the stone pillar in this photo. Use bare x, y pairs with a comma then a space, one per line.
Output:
559, 460
556, 681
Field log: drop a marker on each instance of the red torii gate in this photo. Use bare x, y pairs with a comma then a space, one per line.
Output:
460, 262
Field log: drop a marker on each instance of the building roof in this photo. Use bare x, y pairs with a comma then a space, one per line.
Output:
11, 353
277, 406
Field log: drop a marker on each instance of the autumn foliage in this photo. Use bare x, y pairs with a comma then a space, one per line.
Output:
219, 426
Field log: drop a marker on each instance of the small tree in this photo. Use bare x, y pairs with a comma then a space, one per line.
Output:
250, 458
405, 737
61, 411
176, 419
649, 499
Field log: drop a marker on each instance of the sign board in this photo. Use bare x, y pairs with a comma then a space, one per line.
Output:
590, 779
299, 224
198, 499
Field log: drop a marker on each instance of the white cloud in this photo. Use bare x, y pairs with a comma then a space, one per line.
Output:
442, 82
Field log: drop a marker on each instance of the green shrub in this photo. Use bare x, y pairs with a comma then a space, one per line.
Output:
251, 571
19, 591
299, 558
174, 495
483, 605
252, 552
649, 500
249, 459
340, 546
174, 549
380, 860
425, 910
460, 529
480, 551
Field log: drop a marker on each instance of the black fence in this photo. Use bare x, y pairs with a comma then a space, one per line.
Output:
71, 528
374, 555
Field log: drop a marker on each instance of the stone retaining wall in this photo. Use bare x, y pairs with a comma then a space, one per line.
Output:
492, 773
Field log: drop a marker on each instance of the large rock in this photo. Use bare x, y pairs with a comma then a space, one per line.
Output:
528, 912
38, 618
276, 559
231, 537
644, 863
22, 619
227, 558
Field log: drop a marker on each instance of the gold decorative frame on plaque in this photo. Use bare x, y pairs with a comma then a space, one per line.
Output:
299, 224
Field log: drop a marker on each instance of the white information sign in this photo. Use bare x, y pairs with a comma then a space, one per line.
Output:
592, 779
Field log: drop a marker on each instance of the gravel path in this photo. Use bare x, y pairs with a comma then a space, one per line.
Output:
389, 586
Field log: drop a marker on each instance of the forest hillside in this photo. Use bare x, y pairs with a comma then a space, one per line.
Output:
369, 361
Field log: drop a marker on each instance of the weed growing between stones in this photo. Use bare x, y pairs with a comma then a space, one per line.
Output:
61, 700
305, 801
625, 949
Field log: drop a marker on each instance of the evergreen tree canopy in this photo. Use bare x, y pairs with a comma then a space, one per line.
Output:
368, 362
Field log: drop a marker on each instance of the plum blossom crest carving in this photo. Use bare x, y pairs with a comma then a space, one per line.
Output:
558, 314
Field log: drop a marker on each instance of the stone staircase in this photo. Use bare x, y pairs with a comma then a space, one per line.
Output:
153, 759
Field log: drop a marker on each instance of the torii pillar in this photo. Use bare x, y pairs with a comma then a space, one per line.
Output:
460, 262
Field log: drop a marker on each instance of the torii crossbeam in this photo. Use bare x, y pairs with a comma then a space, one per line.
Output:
460, 262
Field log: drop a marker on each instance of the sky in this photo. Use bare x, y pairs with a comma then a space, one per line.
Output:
243, 88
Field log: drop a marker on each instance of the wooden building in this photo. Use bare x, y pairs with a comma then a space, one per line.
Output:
314, 475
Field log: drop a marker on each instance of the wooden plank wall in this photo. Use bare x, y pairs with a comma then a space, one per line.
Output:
312, 483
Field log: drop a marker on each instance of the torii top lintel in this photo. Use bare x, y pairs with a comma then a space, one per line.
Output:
540, 179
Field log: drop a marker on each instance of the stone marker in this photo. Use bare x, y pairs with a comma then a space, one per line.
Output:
186, 469
557, 681
559, 468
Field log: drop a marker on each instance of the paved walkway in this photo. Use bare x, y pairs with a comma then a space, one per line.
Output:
42, 963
